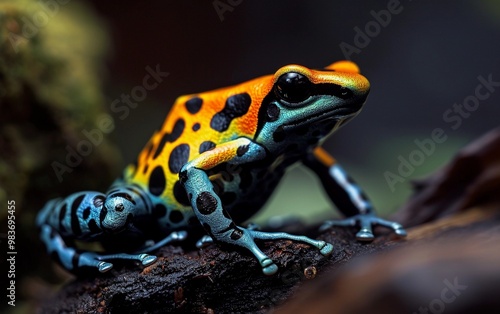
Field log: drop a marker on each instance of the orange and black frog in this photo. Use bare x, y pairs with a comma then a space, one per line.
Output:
213, 164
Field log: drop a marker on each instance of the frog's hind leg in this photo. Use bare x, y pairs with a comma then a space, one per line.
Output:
74, 260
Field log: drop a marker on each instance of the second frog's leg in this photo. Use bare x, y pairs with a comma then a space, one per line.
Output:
208, 206
74, 260
348, 197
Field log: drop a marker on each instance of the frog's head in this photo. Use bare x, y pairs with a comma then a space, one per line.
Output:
117, 213
305, 105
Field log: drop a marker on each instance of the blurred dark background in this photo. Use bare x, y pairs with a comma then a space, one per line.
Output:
423, 61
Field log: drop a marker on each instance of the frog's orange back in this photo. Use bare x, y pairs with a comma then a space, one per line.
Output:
195, 124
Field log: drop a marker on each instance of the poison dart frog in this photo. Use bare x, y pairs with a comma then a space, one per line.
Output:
213, 164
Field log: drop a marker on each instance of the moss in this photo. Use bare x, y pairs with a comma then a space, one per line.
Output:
51, 90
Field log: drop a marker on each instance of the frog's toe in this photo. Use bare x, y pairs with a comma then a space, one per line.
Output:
327, 249
147, 260
348, 222
179, 235
400, 231
268, 267
365, 235
398, 228
204, 241
104, 267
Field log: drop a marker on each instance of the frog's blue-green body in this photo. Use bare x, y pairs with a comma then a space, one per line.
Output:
214, 163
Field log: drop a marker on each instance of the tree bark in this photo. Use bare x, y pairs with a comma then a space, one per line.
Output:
453, 245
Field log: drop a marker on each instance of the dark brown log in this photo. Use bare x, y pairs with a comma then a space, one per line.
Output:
214, 279
458, 249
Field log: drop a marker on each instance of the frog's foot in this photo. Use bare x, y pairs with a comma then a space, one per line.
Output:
204, 241
89, 259
365, 221
268, 266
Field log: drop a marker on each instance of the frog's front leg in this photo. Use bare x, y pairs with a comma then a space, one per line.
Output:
208, 206
347, 196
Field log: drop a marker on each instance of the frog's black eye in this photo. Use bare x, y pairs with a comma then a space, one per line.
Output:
293, 87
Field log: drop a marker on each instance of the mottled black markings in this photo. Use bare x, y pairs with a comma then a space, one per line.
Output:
75, 224
176, 216
163, 141
145, 169
279, 134
206, 203
178, 158
137, 190
236, 234
93, 226
177, 130
180, 194
273, 112
196, 126
231, 226
206, 146
123, 195
86, 213
171, 137
242, 150
194, 105
183, 176
236, 106
157, 181
149, 149
159, 211
62, 216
